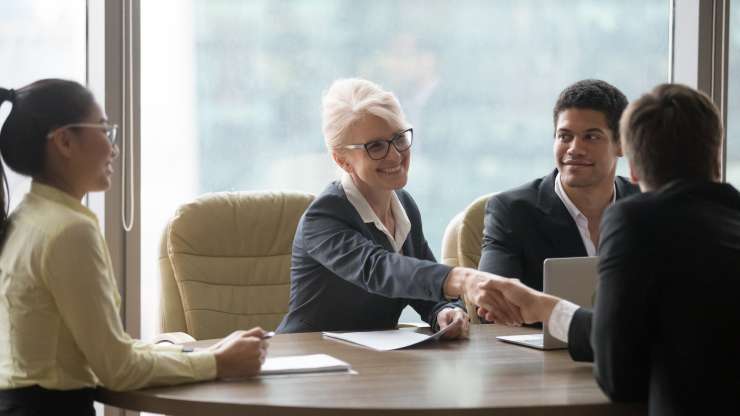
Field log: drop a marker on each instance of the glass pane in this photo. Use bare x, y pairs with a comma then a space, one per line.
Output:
232, 91
39, 39
733, 99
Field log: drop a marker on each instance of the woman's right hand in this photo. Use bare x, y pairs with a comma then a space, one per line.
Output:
484, 290
240, 354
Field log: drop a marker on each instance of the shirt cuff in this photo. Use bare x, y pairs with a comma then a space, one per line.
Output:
560, 318
204, 365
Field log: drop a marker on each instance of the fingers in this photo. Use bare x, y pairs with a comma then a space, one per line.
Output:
449, 316
465, 327
254, 332
444, 318
489, 293
495, 303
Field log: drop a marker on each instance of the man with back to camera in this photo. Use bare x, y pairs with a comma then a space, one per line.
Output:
666, 317
559, 215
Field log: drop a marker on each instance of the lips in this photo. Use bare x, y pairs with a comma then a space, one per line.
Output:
577, 163
390, 171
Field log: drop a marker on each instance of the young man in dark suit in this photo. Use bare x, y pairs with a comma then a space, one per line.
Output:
666, 317
559, 215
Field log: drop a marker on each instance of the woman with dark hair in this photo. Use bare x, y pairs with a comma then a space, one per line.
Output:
60, 332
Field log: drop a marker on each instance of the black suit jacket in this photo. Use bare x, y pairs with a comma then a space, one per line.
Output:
666, 323
528, 224
346, 276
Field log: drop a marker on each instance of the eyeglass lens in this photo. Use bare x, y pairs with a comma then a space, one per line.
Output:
379, 149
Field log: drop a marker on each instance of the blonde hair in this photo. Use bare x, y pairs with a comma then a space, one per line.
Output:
348, 101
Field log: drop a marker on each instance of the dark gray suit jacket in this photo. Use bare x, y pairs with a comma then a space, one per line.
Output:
345, 275
528, 224
667, 316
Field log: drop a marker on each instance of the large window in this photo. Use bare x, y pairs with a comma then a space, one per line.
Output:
733, 99
231, 92
39, 39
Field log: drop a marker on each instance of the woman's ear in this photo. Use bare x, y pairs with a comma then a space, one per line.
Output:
62, 141
341, 161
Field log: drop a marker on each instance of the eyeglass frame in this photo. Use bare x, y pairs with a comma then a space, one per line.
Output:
111, 130
391, 141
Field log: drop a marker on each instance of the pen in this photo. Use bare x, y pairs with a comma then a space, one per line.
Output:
268, 335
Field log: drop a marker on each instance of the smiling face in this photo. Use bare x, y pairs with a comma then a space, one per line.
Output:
584, 148
387, 174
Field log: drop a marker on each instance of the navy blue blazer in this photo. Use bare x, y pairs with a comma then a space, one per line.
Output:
345, 275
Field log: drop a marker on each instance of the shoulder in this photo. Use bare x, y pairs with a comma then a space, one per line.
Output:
625, 187
331, 206
637, 213
522, 197
331, 199
54, 220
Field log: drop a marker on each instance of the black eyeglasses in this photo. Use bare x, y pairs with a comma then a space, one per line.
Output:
378, 149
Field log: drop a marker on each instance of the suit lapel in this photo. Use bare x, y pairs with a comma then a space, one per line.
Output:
558, 228
368, 228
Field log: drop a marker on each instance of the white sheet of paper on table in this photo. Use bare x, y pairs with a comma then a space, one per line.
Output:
314, 363
392, 339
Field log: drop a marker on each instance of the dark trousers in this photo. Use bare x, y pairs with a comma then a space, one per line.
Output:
38, 401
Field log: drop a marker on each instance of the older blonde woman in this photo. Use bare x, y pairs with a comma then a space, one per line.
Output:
359, 254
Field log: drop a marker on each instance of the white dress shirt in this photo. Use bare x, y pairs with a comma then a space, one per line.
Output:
403, 225
563, 312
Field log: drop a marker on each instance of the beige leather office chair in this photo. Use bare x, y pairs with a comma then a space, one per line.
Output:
450, 241
469, 238
225, 262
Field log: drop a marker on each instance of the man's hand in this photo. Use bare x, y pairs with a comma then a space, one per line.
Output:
447, 316
534, 306
484, 290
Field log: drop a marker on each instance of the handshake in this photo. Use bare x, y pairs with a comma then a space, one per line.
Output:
499, 299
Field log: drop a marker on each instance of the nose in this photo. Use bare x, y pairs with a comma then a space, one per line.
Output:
576, 146
393, 153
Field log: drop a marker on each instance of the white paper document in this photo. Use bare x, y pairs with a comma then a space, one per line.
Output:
393, 339
314, 363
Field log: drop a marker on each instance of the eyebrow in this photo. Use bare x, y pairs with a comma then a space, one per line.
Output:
592, 130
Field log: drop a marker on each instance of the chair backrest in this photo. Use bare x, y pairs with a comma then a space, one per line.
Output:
450, 241
470, 233
469, 239
229, 257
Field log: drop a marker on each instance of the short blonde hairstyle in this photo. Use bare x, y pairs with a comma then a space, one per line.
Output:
348, 101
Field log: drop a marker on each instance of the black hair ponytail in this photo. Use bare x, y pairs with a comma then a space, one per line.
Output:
37, 109
5, 95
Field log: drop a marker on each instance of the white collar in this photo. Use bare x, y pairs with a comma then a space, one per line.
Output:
403, 225
569, 205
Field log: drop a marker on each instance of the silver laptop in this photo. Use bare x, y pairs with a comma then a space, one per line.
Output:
570, 278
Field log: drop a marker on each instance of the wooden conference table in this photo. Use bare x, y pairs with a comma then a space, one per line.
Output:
479, 376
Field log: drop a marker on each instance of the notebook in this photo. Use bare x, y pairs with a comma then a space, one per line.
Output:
294, 364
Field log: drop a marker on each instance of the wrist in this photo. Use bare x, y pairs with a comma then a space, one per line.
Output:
546, 305
453, 284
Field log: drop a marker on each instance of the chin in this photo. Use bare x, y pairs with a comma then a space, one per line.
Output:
577, 181
395, 185
103, 185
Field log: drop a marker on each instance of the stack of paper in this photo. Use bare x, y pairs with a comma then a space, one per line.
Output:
315, 363
389, 340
